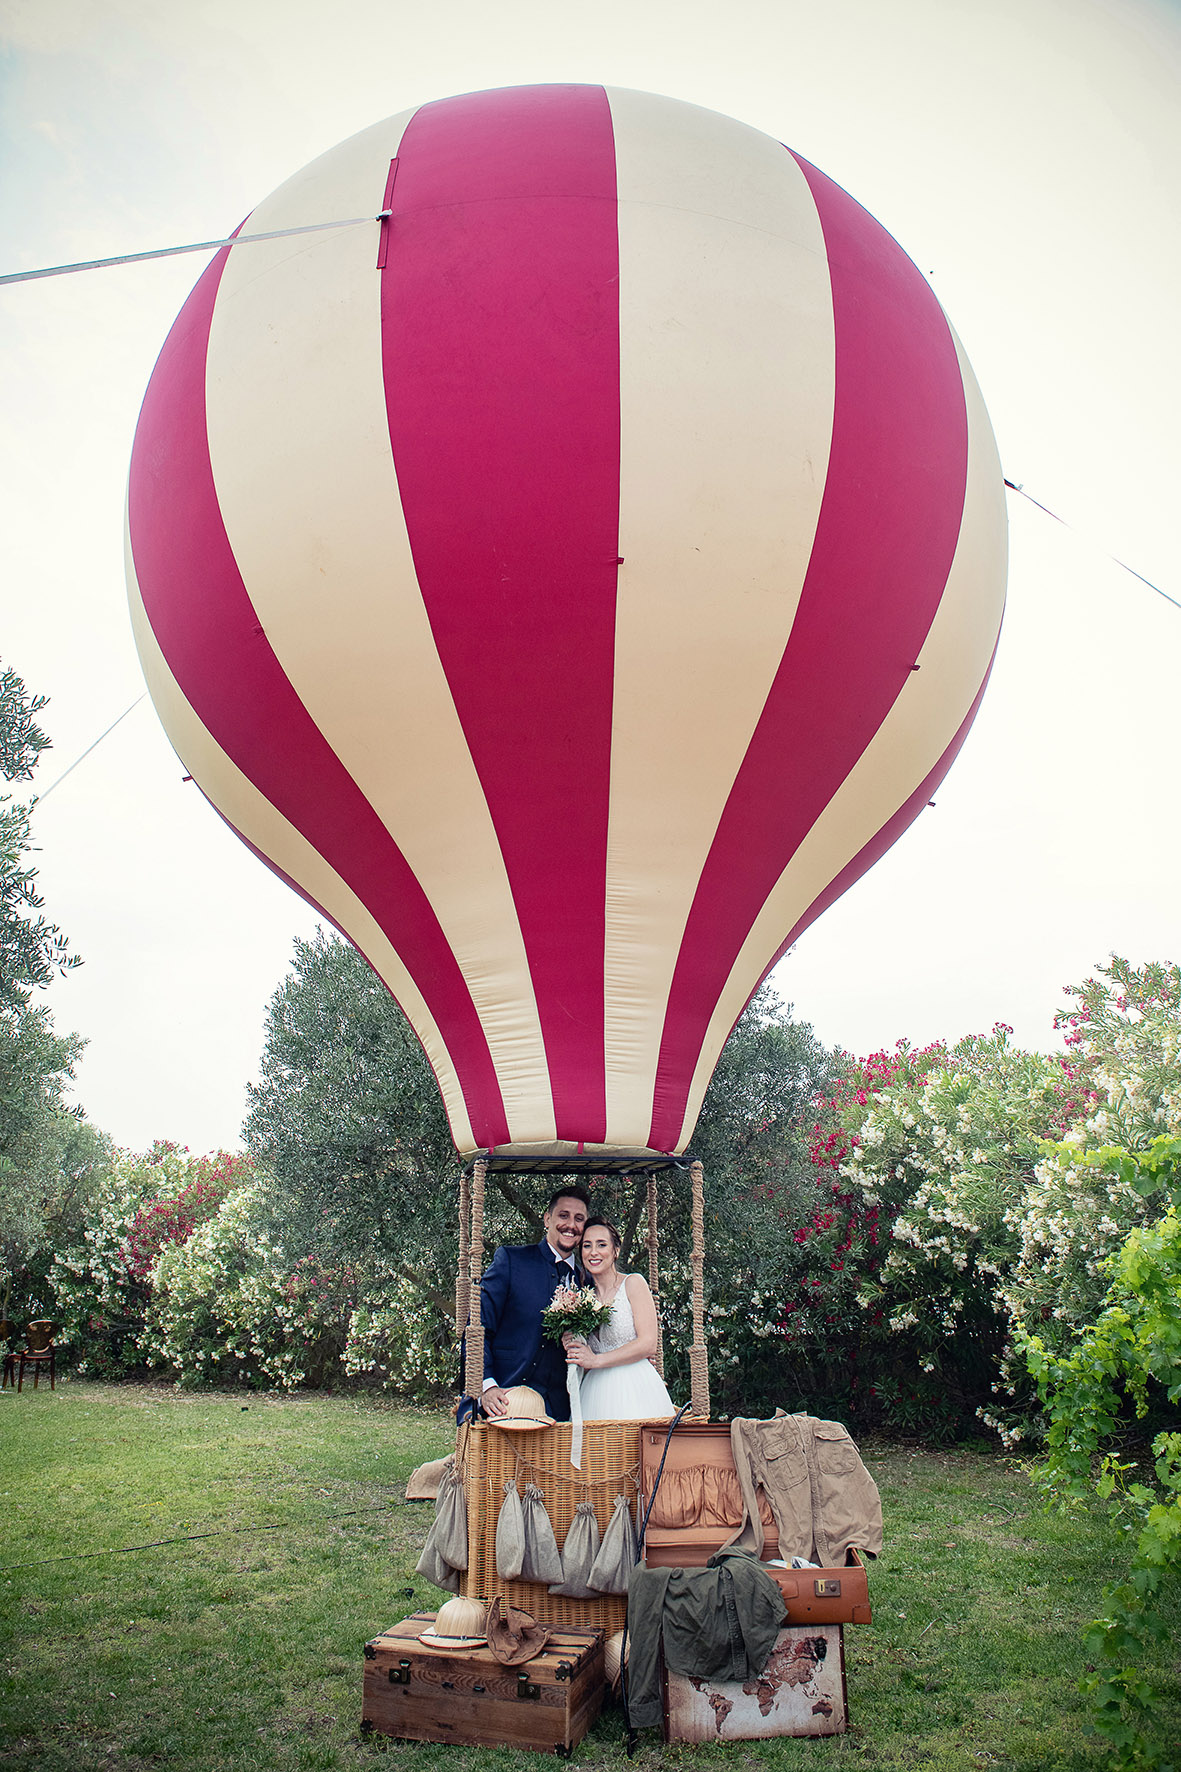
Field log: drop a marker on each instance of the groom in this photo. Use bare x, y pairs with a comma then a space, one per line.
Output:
520, 1282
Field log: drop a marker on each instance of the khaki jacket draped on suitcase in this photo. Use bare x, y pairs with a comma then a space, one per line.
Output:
821, 1494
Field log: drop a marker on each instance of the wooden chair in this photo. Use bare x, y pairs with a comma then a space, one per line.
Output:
7, 1338
37, 1352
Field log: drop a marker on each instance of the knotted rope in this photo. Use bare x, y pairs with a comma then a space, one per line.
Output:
698, 1357
463, 1279
474, 1365
654, 1274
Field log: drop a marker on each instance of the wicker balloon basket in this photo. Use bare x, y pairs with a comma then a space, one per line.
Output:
489, 1457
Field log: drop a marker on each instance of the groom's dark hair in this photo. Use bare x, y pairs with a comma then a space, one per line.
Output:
573, 1192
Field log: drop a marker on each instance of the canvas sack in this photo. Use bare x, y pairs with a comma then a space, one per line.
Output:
578, 1554
444, 1555
541, 1561
617, 1553
510, 1534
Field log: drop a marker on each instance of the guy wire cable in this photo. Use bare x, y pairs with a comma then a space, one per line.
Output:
89, 748
122, 1550
1114, 558
135, 258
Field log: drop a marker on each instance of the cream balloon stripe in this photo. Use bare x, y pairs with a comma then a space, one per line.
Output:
501, 362
308, 492
726, 398
209, 633
885, 540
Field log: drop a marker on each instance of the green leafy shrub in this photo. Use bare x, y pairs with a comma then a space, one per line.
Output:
396, 1340
1130, 1356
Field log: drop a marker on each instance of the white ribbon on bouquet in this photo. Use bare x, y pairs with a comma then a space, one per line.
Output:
574, 1391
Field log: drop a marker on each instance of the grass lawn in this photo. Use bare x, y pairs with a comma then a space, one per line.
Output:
243, 1649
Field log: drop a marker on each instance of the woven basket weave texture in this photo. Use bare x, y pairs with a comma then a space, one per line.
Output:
490, 1456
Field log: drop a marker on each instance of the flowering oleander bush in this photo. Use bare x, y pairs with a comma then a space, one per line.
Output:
963, 1197
886, 1301
399, 1341
231, 1305
103, 1284
1123, 1034
181, 1271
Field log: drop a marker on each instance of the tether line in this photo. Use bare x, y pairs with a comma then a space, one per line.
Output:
135, 258
89, 748
1115, 560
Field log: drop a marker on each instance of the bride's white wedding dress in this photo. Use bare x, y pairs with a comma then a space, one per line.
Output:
634, 1392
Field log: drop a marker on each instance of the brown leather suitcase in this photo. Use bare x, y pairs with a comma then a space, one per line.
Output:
419, 1694
827, 1596
801, 1691
696, 1450
813, 1596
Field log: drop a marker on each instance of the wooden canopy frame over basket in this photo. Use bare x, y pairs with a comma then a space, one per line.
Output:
471, 1251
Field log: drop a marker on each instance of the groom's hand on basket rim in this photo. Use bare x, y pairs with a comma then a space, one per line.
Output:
494, 1400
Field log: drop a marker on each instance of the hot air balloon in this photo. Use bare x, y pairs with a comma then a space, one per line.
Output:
570, 582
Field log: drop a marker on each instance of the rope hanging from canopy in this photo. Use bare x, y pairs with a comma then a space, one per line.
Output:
654, 1274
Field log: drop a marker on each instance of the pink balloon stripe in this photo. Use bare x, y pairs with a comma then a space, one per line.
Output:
887, 532
215, 647
500, 327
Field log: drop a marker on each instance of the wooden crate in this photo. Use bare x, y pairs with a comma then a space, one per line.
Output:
801, 1691
489, 1456
545, 1705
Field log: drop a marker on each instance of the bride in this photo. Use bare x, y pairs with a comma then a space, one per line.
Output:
619, 1381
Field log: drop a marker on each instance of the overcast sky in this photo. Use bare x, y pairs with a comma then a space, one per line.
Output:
1026, 153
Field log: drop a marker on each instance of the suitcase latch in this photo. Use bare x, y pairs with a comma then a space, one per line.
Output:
400, 1675
526, 1688
828, 1589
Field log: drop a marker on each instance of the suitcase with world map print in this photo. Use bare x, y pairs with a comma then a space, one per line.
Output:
801, 1691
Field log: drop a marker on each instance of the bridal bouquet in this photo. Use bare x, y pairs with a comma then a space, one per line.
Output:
573, 1310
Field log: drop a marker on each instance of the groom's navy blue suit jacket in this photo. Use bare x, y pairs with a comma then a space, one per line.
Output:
520, 1282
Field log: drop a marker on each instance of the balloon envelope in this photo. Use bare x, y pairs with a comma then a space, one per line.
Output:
571, 583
